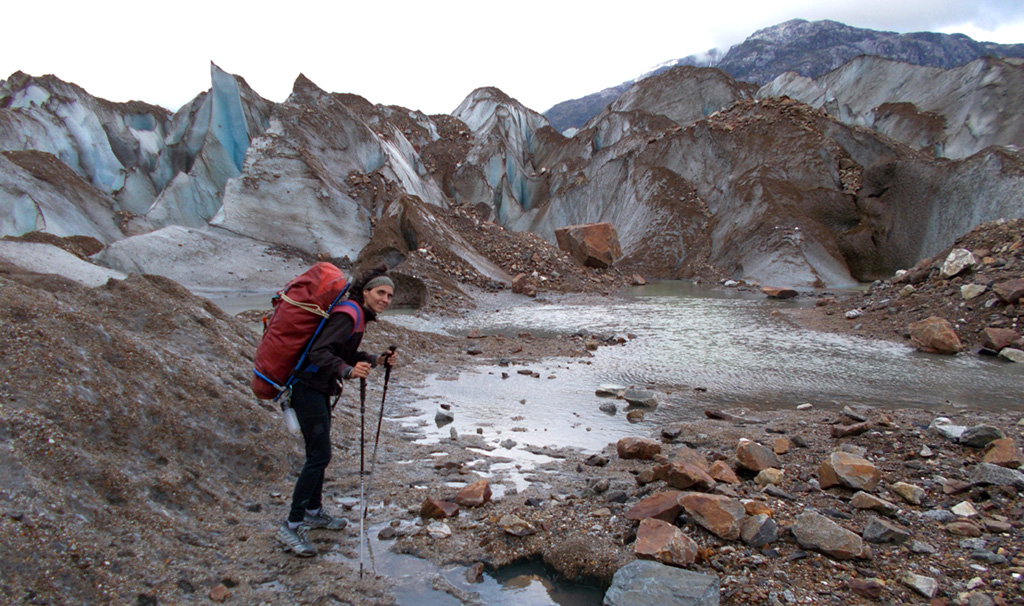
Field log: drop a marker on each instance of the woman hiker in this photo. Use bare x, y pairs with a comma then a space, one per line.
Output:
334, 356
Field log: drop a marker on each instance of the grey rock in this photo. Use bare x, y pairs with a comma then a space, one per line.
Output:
973, 544
815, 531
617, 496
987, 473
989, 557
979, 436
644, 582
941, 516
641, 398
1011, 354
777, 492
610, 390
926, 586
608, 408
922, 548
853, 414
957, 261
883, 531
945, 427
443, 417
759, 530
980, 599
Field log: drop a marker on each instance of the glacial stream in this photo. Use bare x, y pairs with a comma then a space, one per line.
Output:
699, 348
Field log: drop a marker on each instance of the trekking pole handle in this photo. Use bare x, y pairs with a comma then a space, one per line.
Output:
387, 355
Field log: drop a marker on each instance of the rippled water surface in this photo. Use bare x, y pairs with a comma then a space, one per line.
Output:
699, 348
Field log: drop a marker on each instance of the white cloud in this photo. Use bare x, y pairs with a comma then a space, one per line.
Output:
425, 56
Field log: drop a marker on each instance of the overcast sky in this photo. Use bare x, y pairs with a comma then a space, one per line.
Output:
425, 55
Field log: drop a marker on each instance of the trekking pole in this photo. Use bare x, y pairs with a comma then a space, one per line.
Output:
362, 442
380, 418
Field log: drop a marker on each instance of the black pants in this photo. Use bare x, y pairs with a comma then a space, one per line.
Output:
312, 408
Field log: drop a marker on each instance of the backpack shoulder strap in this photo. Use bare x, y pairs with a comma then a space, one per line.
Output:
354, 311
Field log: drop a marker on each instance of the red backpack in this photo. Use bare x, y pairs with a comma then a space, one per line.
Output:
300, 310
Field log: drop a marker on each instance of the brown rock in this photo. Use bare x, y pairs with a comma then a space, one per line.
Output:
1010, 291
476, 494
720, 515
592, 244
661, 541
663, 506
751, 455
934, 335
842, 431
516, 526
867, 588
637, 448
849, 470
963, 529
781, 446
721, 472
685, 454
779, 293
433, 508
635, 416
770, 476
754, 508
995, 338
684, 475
863, 500
908, 492
1003, 452
220, 593
524, 284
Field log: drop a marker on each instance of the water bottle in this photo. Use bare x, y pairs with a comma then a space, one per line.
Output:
290, 420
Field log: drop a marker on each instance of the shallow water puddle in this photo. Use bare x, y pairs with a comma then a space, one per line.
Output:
418, 582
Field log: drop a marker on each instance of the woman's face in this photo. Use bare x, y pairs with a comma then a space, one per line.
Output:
378, 298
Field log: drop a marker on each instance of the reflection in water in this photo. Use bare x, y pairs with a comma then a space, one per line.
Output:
733, 345
417, 582
697, 349
530, 584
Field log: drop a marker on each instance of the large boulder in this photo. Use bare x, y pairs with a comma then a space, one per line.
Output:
683, 475
661, 541
643, 582
661, 505
720, 515
592, 244
996, 338
934, 335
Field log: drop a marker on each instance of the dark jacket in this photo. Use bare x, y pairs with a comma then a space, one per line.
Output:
335, 352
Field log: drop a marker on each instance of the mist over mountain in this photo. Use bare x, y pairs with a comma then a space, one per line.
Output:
808, 48
803, 182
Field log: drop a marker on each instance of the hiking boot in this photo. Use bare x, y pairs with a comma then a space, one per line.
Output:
296, 541
322, 520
